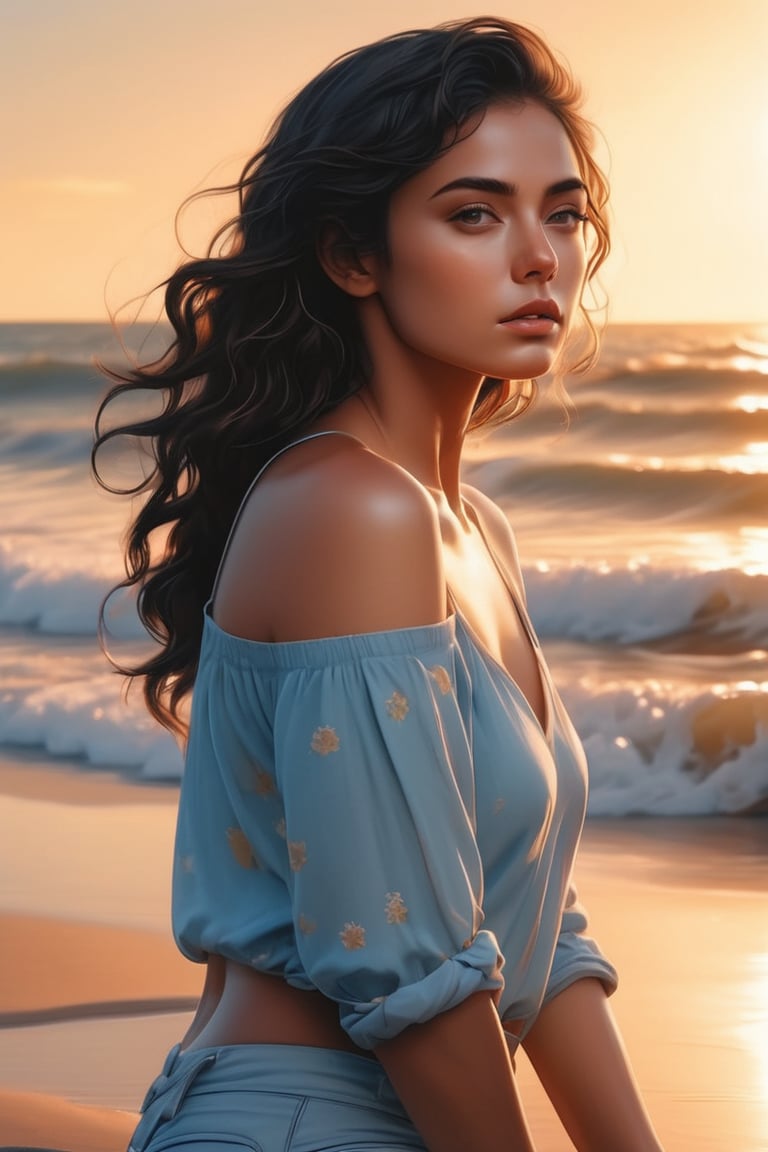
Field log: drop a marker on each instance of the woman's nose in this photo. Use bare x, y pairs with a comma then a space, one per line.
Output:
534, 257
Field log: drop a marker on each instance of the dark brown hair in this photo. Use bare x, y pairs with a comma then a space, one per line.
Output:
263, 341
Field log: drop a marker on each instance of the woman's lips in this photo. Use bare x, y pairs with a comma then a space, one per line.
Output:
531, 325
535, 318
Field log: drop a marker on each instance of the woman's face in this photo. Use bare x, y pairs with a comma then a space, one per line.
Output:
486, 248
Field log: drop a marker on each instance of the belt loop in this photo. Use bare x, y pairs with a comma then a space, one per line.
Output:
170, 1060
160, 1082
166, 1094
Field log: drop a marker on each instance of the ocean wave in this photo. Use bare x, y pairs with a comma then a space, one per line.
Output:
689, 495
656, 752
88, 719
732, 357
653, 749
601, 436
754, 347
40, 347
650, 348
633, 357
682, 609
62, 602
45, 448
50, 377
604, 419
685, 609
714, 385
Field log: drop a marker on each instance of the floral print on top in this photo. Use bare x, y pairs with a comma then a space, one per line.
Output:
382, 818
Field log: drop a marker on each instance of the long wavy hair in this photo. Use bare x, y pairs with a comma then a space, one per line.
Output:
263, 342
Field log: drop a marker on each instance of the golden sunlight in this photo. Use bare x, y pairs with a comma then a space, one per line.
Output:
754, 551
716, 551
745, 363
755, 1031
762, 137
753, 461
751, 404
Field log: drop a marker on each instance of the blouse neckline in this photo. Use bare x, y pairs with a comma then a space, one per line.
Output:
417, 640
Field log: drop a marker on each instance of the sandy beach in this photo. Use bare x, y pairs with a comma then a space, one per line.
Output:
92, 991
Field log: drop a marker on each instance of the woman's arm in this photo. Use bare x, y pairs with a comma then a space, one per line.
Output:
353, 545
580, 1059
454, 1076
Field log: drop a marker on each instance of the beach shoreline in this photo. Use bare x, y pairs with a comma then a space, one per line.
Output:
89, 1003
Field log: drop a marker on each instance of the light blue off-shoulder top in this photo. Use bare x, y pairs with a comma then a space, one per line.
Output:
383, 818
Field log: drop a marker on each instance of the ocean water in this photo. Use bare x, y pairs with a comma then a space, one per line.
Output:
642, 527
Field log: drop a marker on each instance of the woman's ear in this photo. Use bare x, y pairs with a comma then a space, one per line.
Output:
343, 264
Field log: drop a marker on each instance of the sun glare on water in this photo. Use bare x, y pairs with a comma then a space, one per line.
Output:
755, 1030
746, 550
754, 550
751, 404
753, 461
750, 364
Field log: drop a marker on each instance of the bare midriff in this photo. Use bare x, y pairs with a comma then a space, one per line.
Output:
242, 1006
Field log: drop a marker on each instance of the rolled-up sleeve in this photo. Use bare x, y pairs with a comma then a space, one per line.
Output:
374, 767
577, 956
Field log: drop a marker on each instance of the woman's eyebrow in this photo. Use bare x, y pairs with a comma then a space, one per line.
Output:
502, 188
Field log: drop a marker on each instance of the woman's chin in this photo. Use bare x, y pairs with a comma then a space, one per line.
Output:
531, 363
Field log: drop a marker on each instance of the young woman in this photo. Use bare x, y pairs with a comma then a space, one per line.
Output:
383, 794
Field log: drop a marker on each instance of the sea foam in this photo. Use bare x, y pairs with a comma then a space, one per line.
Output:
653, 748
623, 605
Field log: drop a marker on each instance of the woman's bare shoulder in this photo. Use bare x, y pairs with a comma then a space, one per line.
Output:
333, 540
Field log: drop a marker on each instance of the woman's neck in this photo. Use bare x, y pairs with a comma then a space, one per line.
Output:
413, 410
424, 443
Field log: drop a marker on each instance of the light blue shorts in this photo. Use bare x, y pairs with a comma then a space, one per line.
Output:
272, 1098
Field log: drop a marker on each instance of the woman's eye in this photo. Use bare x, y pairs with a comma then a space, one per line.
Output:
473, 214
568, 216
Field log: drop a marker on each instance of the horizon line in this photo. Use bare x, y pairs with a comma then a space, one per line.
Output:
107, 323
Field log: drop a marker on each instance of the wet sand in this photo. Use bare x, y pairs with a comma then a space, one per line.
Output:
92, 991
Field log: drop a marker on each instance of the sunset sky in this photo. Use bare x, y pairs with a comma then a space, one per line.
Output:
112, 112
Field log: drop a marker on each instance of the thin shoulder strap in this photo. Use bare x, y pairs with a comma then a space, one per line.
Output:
254, 482
516, 594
